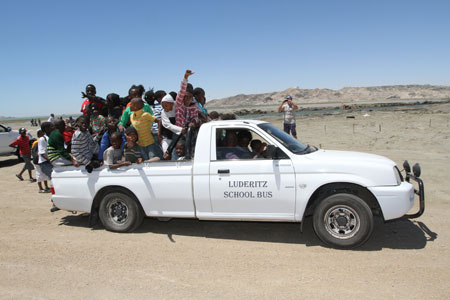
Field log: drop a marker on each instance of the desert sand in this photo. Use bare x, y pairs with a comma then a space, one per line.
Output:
55, 256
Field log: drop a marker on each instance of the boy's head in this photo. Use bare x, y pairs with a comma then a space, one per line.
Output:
112, 100
83, 123
40, 133
47, 127
111, 123
149, 97
244, 138
136, 104
167, 103
91, 90
180, 148
136, 91
231, 139
22, 131
159, 95
131, 135
256, 145
199, 95
93, 108
116, 140
214, 115
60, 125
68, 126
189, 96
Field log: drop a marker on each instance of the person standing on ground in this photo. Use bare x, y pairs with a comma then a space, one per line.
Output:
51, 119
23, 142
289, 109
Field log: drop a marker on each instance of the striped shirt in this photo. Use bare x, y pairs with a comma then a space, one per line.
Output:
97, 123
83, 147
157, 108
183, 114
125, 119
132, 154
142, 121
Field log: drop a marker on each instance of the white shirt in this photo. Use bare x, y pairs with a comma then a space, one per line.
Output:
289, 113
42, 148
166, 121
51, 119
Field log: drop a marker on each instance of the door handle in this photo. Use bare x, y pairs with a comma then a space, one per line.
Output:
223, 171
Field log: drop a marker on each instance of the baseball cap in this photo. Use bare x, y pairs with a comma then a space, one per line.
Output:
288, 97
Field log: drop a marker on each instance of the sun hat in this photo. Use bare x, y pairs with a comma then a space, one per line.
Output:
167, 98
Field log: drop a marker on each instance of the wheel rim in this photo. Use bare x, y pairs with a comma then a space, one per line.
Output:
117, 211
342, 222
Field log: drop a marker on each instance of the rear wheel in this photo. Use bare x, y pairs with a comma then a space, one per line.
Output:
343, 220
120, 213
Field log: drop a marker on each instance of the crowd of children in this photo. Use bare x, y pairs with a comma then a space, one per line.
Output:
141, 127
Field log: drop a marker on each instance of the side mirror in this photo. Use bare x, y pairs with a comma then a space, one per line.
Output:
8, 129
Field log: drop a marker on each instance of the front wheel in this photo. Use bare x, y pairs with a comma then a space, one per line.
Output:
120, 213
343, 221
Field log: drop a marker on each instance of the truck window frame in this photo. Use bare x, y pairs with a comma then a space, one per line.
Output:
254, 131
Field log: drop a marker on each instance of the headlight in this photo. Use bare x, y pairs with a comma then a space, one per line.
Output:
398, 175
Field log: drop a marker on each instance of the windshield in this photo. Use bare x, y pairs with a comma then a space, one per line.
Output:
286, 140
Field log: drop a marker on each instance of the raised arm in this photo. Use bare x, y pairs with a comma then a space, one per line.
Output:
179, 103
280, 109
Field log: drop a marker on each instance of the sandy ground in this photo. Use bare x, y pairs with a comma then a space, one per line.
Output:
54, 256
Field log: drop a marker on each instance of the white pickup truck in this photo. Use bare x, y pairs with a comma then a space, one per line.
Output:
341, 190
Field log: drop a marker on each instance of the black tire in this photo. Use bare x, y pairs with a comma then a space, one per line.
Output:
120, 213
343, 221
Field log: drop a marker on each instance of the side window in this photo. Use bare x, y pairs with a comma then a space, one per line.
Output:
2, 129
239, 143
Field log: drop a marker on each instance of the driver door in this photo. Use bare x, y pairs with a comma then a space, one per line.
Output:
257, 189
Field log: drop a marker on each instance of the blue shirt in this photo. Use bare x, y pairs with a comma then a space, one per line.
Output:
105, 143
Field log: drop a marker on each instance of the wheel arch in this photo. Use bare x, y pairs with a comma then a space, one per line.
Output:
342, 187
112, 189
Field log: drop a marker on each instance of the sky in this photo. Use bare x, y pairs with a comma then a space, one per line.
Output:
50, 50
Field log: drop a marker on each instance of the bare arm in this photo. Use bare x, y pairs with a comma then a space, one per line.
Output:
280, 109
119, 164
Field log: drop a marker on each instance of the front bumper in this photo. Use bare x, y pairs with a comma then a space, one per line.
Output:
420, 192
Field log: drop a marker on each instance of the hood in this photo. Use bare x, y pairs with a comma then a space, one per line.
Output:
370, 169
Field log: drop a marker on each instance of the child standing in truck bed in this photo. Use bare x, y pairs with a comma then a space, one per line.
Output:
132, 151
142, 121
113, 155
83, 145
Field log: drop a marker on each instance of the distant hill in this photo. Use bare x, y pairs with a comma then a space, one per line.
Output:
390, 93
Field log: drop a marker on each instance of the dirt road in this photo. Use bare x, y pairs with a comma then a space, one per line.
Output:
55, 256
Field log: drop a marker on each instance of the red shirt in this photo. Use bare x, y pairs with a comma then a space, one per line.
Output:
23, 142
183, 114
67, 135
84, 105
86, 102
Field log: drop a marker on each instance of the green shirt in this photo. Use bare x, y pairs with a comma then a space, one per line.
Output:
125, 119
55, 146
